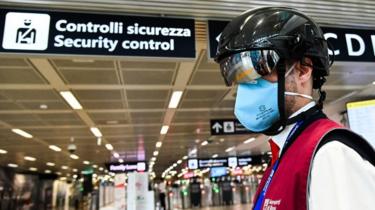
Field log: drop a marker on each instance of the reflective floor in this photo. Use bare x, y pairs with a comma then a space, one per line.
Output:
234, 207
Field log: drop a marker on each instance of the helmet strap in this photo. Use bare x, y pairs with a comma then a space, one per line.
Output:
322, 97
280, 124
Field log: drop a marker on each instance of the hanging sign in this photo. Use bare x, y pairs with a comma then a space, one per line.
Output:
126, 167
227, 127
349, 44
95, 34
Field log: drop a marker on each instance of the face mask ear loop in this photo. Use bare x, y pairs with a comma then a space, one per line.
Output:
298, 94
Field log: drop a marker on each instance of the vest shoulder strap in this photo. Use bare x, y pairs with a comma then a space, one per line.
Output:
352, 140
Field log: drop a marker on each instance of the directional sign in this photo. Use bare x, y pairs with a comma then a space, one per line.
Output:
227, 127
126, 167
232, 162
349, 44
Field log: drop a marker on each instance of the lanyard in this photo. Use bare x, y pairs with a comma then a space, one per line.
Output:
262, 194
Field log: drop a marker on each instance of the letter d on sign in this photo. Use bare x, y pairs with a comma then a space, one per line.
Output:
351, 52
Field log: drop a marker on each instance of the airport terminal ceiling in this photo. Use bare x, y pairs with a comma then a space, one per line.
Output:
127, 98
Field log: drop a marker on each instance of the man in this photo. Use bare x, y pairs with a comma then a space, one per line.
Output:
162, 193
277, 56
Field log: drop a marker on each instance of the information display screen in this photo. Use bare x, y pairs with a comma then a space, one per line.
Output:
361, 117
218, 171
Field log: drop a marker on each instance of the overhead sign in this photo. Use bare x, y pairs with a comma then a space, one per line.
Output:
349, 44
95, 34
214, 30
224, 162
227, 127
209, 163
127, 167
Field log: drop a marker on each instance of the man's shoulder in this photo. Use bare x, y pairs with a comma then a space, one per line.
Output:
349, 141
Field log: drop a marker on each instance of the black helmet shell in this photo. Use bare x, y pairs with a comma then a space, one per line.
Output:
289, 32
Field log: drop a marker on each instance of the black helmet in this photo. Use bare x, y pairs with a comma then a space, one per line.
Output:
261, 40
287, 31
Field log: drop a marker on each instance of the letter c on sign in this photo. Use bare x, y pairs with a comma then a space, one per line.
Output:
59, 25
331, 35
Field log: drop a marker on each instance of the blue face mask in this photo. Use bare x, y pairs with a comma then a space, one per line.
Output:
256, 104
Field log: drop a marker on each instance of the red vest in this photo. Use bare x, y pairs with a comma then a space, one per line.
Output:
289, 186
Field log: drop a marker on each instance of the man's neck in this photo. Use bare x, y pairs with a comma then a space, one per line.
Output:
280, 138
298, 106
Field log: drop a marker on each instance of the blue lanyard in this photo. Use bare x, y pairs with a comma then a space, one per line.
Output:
261, 196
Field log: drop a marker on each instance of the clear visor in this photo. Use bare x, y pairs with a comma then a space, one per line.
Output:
246, 66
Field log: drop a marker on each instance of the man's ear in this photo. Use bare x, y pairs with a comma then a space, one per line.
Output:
304, 70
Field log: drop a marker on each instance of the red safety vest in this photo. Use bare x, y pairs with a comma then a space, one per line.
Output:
288, 188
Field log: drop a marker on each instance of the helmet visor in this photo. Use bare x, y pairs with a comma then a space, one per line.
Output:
246, 66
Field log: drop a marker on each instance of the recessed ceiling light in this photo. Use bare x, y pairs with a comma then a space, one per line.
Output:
73, 156
120, 160
43, 106
175, 99
229, 149
249, 140
109, 147
185, 157
3, 151
50, 164
86, 162
179, 161
70, 99
55, 148
99, 141
197, 141
22, 133
193, 151
204, 143
116, 155
101, 169
29, 158
164, 129
64, 167
47, 171
215, 156
33, 169
75, 170
156, 153
158, 144
96, 132
175, 164
153, 159
94, 166
12, 165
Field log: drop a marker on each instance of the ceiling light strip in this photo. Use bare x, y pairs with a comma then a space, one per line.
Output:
22, 133
71, 99
175, 99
